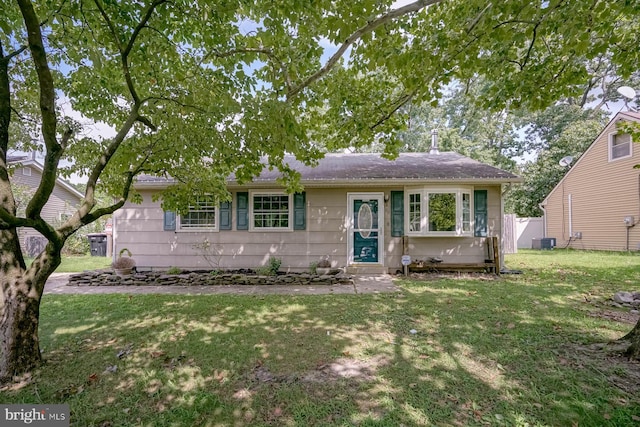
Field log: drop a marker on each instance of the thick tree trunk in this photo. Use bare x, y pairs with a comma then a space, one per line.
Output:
633, 337
19, 342
20, 309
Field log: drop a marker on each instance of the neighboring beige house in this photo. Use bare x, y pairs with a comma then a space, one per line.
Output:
27, 173
355, 210
597, 203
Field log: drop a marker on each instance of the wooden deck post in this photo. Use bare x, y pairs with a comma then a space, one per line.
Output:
496, 254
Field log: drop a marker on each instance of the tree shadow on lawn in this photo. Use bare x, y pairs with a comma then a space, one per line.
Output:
451, 352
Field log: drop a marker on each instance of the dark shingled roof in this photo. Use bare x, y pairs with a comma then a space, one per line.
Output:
366, 167
407, 166
12, 158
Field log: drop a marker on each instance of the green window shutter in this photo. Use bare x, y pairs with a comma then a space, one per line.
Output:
225, 216
169, 221
397, 213
300, 211
242, 211
480, 212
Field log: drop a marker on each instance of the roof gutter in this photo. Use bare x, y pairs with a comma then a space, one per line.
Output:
150, 185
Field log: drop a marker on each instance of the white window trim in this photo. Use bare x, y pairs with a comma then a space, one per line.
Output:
26, 171
179, 228
424, 211
610, 147
269, 193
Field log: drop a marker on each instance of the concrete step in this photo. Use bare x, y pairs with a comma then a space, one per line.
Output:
367, 269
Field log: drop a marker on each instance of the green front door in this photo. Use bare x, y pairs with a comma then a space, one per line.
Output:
366, 231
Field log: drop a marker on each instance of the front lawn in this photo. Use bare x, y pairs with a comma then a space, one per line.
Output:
517, 351
78, 263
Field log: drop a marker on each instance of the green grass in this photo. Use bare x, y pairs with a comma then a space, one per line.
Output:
74, 264
516, 351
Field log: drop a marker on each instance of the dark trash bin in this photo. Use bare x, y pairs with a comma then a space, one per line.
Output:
98, 244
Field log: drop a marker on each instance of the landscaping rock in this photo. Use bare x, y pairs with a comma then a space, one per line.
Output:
205, 278
623, 297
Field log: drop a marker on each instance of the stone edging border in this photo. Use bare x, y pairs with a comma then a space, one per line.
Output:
158, 278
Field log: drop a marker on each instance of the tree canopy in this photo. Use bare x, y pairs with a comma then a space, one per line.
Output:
198, 90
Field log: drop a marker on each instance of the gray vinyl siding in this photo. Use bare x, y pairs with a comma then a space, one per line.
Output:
139, 228
61, 201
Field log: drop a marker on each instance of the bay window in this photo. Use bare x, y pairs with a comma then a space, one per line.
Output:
439, 211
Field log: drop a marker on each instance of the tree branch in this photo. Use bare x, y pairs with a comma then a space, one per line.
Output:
395, 107
371, 25
126, 50
263, 50
90, 217
47, 110
533, 41
7, 58
89, 194
143, 22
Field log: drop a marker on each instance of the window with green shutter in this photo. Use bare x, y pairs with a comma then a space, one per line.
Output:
225, 216
480, 212
242, 211
169, 221
300, 211
397, 213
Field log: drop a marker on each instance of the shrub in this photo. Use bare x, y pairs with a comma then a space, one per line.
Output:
271, 269
313, 266
174, 270
274, 265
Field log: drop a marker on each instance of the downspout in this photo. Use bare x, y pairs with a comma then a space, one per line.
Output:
635, 222
114, 233
544, 219
570, 205
503, 191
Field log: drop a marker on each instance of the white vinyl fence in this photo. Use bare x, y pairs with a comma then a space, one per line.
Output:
519, 232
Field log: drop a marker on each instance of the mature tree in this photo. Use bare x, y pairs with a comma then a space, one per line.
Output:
557, 132
565, 129
485, 135
201, 89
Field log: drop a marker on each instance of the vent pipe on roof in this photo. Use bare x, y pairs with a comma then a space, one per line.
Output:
434, 142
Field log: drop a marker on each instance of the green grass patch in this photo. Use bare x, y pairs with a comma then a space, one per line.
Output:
74, 264
515, 351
